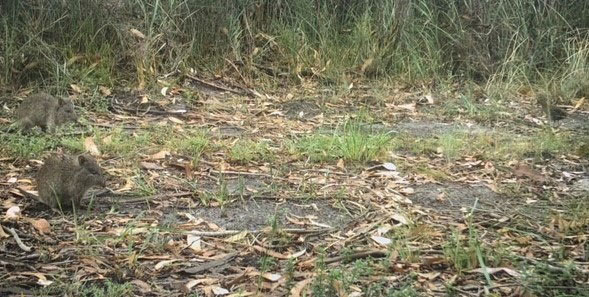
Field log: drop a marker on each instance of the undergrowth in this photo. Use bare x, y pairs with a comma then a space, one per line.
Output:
500, 45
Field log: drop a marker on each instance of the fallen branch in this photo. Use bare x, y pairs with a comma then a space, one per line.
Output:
297, 290
20, 244
211, 264
248, 174
149, 110
153, 197
237, 70
242, 90
233, 232
358, 255
124, 127
214, 86
546, 265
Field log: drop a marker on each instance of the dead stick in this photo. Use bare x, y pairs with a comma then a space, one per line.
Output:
358, 255
210, 264
214, 86
20, 244
117, 126
233, 232
153, 197
237, 70
248, 174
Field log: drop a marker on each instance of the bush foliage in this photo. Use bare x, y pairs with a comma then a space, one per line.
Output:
56, 43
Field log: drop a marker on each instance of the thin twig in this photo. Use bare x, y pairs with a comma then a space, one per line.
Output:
248, 174
354, 256
153, 197
546, 265
237, 70
327, 172
211, 264
233, 232
214, 86
358, 255
118, 126
20, 244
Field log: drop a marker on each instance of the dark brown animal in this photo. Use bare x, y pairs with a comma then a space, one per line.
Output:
63, 179
553, 113
44, 111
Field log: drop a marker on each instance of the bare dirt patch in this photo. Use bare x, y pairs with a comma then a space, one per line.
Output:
301, 109
228, 131
257, 214
459, 199
428, 129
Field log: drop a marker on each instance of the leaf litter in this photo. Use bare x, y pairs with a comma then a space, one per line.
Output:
172, 224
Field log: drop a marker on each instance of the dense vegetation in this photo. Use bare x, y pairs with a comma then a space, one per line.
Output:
494, 43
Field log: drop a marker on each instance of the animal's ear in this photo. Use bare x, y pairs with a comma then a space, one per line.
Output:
82, 159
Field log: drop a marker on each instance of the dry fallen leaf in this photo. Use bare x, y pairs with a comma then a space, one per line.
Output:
160, 155
189, 285
273, 277
579, 104
13, 213
41, 278
2, 233
389, 166
367, 63
430, 275
409, 107
194, 242
129, 185
400, 218
381, 240
430, 98
237, 237
299, 287
137, 33
497, 269
242, 294
340, 164
91, 147
10, 202
107, 140
407, 190
151, 166
523, 170
41, 225
218, 291
76, 88
104, 91
297, 254
175, 120
142, 286
163, 264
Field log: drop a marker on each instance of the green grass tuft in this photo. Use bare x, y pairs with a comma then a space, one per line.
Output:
352, 143
246, 151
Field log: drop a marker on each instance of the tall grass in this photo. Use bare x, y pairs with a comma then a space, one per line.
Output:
56, 43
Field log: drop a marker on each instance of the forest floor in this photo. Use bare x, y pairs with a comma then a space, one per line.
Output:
217, 190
